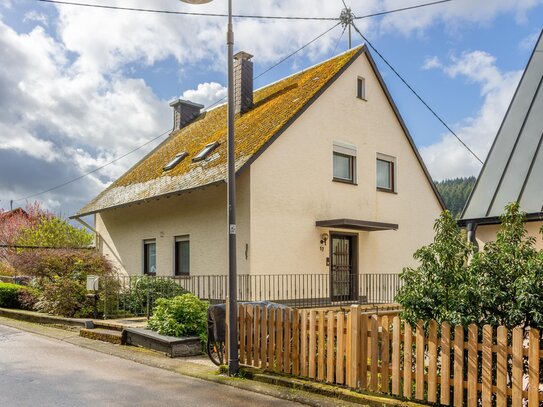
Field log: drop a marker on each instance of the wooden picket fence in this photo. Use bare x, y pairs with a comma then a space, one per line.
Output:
381, 353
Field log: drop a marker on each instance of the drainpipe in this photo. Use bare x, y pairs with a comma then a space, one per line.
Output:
471, 228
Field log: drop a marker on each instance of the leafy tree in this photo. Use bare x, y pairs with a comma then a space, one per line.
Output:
54, 232
509, 274
455, 193
502, 285
436, 289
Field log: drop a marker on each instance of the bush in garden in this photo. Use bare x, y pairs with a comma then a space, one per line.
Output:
146, 288
28, 298
185, 315
61, 278
9, 295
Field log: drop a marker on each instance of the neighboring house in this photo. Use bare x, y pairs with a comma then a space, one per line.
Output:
513, 170
329, 182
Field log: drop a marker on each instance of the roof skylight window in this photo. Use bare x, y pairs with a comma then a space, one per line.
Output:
202, 155
174, 161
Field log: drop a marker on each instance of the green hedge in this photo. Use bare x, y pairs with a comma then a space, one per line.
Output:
9, 295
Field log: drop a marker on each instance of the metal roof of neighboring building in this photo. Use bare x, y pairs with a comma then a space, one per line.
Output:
513, 170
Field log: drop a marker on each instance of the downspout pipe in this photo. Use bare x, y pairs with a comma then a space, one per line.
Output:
471, 228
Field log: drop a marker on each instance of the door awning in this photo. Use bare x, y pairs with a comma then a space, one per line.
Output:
356, 224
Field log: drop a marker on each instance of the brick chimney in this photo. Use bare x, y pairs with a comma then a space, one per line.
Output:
243, 82
184, 112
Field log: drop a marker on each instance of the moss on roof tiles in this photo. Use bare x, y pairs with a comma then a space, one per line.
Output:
274, 106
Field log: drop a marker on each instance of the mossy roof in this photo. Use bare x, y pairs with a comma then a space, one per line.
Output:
275, 106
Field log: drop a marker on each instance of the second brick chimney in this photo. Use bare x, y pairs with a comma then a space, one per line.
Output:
243, 82
184, 112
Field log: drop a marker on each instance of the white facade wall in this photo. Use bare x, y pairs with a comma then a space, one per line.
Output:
292, 187
200, 214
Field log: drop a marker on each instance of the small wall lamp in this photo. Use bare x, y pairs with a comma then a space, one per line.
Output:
324, 239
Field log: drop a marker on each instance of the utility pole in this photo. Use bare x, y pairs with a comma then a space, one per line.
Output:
346, 17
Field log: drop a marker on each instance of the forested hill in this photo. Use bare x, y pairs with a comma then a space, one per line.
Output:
455, 193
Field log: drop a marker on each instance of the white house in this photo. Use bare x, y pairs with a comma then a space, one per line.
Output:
330, 183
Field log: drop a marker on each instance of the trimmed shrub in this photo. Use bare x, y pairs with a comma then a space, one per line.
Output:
185, 315
9, 295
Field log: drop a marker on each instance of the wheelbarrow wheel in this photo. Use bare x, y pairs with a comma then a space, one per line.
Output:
215, 351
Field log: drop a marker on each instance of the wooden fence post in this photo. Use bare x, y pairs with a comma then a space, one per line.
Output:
330, 347
352, 362
419, 362
458, 366
340, 355
501, 371
363, 349
407, 361
320, 349
445, 390
472, 365
374, 354
264, 342
396, 338
385, 355
486, 392
518, 367
432, 362
533, 368
295, 342
303, 344
312, 344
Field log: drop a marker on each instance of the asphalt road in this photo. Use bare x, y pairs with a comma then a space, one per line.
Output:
37, 371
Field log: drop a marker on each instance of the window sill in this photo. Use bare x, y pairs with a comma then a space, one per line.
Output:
362, 99
344, 181
390, 191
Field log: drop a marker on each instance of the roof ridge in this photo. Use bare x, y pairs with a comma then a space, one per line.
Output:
296, 73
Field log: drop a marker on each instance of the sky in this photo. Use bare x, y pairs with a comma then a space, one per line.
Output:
80, 87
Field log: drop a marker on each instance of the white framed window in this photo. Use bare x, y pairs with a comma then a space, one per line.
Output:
386, 173
149, 257
344, 162
361, 88
182, 256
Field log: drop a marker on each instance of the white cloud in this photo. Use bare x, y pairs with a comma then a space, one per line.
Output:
448, 158
528, 43
37, 17
451, 14
206, 93
432, 63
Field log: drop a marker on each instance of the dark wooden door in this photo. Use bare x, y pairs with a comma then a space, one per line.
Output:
343, 267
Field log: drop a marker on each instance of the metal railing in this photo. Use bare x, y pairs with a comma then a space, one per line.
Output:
137, 295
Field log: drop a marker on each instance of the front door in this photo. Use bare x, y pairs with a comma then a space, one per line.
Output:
343, 267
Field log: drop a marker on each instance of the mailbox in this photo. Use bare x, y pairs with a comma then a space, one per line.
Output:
92, 283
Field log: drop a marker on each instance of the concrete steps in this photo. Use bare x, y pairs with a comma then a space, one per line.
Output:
114, 336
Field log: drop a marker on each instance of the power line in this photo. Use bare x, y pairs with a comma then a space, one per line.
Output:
295, 52
402, 9
168, 131
185, 13
92, 171
415, 93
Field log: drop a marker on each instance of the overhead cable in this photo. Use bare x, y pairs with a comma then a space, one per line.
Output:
162, 134
264, 17
437, 116
94, 170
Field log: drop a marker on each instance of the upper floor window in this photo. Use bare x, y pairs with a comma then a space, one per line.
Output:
386, 173
344, 162
182, 256
149, 257
361, 88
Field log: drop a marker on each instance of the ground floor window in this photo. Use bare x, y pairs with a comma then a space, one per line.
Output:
182, 256
149, 257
